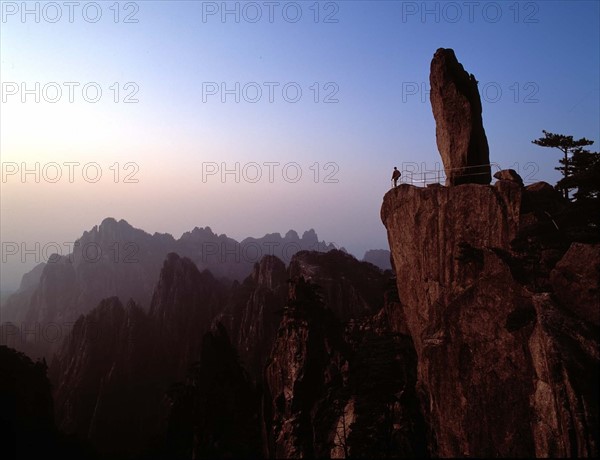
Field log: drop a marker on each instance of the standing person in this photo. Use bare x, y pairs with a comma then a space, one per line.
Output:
395, 176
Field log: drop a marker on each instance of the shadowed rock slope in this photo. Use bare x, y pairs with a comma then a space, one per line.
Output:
116, 365
114, 376
338, 391
27, 428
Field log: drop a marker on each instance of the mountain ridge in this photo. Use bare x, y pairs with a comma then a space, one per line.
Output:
115, 258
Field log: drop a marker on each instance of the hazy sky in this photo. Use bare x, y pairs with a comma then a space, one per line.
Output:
308, 104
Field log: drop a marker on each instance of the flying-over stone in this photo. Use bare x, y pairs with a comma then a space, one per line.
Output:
456, 106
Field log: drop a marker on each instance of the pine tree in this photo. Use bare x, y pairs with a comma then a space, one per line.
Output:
568, 146
584, 175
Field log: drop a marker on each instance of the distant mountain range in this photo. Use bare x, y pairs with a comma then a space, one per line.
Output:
115, 259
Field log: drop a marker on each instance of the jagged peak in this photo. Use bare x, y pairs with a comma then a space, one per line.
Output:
172, 258
177, 270
111, 223
109, 310
131, 305
267, 261
268, 270
204, 231
111, 228
310, 236
292, 235
109, 303
108, 221
201, 233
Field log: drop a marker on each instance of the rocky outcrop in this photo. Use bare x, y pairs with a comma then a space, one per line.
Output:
436, 240
305, 360
499, 364
184, 303
107, 388
460, 136
255, 311
509, 174
350, 288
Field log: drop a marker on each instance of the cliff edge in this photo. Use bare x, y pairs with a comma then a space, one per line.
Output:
503, 369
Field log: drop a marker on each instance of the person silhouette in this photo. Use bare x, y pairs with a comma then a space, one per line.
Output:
395, 176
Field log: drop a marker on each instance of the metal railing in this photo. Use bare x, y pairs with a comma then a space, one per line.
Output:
423, 178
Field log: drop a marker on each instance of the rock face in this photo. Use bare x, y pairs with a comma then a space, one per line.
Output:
105, 368
500, 364
184, 303
255, 312
335, 392
460, 136
350, 288
306, 349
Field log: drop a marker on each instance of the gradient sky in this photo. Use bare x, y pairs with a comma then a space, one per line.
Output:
543, 57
